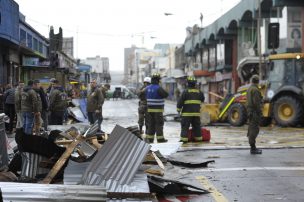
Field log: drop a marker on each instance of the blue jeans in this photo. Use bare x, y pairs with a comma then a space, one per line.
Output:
28, 121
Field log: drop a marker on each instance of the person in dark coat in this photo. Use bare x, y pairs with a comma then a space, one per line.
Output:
254, 110
9, 107
45, 107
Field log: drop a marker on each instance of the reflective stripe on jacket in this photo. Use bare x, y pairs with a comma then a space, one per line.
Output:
155, 98
190, 102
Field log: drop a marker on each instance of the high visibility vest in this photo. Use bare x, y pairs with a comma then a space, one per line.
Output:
155, 102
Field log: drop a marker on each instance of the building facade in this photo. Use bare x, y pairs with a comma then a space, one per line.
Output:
213, 52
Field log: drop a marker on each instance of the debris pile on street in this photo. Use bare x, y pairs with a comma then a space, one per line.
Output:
120, 165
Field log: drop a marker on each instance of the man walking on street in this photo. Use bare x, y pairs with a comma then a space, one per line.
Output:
18, 95
189, 105
254, 102
142, 105
30, 102
155, 103
58, 104
94, 104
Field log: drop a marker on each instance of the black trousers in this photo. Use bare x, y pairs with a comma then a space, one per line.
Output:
56, 118
10, 112
196, 127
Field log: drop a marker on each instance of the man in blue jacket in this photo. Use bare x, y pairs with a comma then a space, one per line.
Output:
155, 95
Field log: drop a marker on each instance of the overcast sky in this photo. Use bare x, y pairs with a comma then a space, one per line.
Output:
105, 28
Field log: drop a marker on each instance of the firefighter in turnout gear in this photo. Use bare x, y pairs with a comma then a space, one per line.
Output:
189, 105
155, 107
142, 105
254, 109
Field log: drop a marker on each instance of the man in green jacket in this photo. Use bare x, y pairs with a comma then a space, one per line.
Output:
94, 104
254, 109
18, 95
30, 106
58, 104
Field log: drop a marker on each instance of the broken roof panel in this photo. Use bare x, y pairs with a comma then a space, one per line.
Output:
51, 192
116, 163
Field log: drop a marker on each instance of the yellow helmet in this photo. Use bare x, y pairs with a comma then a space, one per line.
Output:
191, 79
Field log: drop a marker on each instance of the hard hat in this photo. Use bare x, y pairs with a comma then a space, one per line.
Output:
191, 79
156, 76
147, 79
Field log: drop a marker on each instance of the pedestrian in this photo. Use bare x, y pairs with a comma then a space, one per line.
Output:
45, 107
58, 104
18, 94
155, 95
9, 107
37, 117
105, 89
94, 104
189, 105
30, 103
254, 110
142, 105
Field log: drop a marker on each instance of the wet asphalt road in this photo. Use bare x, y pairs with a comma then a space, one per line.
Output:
276, 175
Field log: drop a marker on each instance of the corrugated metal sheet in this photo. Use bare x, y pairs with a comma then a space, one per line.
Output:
116, 163
74, 171
51, 192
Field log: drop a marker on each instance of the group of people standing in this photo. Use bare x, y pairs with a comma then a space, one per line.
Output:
151, 108
34, 106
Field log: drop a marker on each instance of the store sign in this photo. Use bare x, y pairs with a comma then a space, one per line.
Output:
34, 62
30, 61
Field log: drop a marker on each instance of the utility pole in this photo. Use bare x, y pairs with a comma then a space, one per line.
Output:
259, 40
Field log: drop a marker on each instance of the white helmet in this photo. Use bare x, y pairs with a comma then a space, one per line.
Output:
147, 79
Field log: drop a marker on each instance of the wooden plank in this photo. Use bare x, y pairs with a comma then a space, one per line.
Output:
61, 161
159, 162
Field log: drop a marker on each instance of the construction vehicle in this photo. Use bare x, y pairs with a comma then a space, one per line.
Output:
282, 88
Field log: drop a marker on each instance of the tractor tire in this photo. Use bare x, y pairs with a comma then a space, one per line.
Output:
288, 111
265, 121
237, 114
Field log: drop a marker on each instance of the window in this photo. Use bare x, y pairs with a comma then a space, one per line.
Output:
22, 37
29, 41
40, 47
35, 44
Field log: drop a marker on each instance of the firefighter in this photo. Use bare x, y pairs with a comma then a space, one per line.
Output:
94, 104
254, 109
58, 104
142, 105
155, 107
189, 105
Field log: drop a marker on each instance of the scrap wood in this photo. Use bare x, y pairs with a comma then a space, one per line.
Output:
149, 158
190, 164
95, 143
132, 195
168, 186
216, 95
61, 161
159, 162
155, 172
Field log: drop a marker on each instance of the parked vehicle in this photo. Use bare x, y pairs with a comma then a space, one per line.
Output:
120, 91
282, 87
